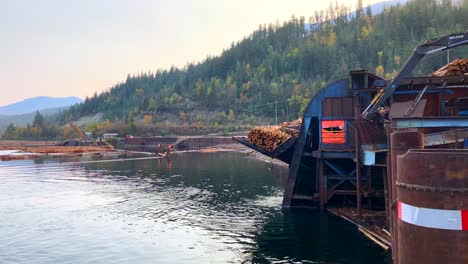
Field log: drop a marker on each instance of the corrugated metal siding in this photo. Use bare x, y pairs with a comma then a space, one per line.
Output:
338, 106
370, 133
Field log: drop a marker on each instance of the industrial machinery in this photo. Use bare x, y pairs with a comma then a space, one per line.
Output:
83, 140
78, 131
342, 158
341, 151
429, 47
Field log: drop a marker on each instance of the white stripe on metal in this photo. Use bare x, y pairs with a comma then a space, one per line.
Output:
432, 218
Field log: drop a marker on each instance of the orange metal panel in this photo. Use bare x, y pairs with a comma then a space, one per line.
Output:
333, 132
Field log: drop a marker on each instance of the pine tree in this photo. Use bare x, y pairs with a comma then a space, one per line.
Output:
38, 120
359, 9
268, 64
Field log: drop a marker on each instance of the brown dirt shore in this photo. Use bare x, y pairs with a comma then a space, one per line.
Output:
11, 144
24, 149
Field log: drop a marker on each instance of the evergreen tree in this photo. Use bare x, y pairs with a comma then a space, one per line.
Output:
38, 120
285, 63
10, 132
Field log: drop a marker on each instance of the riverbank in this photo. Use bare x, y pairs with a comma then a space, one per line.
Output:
28, 149
25, 149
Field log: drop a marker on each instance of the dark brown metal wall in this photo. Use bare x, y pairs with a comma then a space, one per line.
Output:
436, 179
370, 132
400, 142
338, 106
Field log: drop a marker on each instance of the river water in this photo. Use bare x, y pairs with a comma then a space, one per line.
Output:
220, 207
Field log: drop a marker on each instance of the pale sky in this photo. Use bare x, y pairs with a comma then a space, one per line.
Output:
75, 48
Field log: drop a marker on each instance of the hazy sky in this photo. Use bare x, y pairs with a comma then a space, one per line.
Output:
76, 48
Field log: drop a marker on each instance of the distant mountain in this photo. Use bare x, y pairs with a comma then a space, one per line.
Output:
23, 119
38, 103
376, 9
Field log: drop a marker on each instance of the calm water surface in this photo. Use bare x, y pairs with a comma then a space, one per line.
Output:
198, 208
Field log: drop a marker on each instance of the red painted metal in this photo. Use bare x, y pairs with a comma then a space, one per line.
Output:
465, 219
434, 179
333, 132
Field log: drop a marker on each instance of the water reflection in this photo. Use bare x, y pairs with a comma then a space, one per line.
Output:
313, 237
192, 208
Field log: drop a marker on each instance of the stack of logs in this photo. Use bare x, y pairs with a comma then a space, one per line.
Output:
293, 124
458, 67
270, 137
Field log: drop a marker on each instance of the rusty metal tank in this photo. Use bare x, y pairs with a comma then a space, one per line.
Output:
401, 142
432, 192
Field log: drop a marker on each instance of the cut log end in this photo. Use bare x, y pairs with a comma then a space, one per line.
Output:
458, 67
270, 137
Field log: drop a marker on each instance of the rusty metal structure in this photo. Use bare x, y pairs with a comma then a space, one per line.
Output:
353, 133
435, 196
401, 142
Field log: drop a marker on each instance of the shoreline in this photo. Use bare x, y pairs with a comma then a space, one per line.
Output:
11, 150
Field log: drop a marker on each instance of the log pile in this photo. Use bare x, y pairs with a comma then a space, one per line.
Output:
458, 67
296, 124
270, 137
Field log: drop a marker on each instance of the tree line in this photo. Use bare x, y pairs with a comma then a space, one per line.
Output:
40, 129
273, 72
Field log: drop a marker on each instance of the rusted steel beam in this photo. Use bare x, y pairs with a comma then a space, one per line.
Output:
446, 137
386, 194
401, 142
322, 184
388, 175
357, 159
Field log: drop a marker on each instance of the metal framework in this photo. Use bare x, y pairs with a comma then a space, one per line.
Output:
430, 122
429, 47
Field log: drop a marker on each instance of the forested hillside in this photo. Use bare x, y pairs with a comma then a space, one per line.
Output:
276, 69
